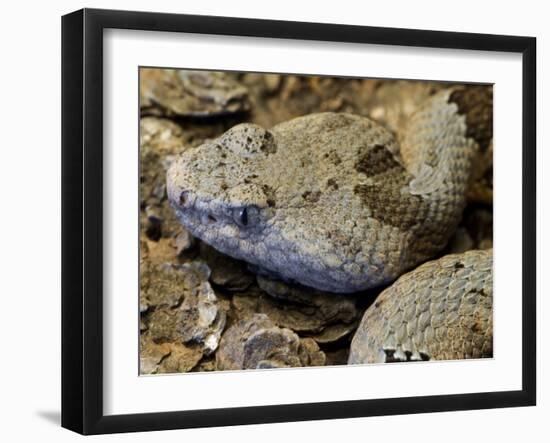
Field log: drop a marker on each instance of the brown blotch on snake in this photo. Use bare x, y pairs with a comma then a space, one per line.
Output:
389, 205
476, 104
375, 160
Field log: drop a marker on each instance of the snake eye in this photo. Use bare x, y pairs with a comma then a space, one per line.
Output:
240, 215
246, 216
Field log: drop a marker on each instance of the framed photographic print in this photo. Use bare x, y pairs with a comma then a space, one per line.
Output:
269, 221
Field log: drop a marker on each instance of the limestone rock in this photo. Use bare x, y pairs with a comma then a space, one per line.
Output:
324, 317
181, 306
167, 357
257, 343
226, 271
195, 93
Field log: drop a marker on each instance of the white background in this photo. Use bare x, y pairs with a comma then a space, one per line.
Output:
30, 226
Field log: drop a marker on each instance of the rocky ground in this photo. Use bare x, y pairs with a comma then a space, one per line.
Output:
204, 311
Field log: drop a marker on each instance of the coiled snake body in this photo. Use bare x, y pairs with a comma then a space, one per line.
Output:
440, 311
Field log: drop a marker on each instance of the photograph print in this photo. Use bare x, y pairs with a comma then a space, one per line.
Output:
291, 221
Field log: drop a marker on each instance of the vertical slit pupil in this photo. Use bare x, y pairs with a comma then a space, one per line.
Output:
244, 216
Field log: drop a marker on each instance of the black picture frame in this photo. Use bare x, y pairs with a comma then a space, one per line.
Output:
82, 218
